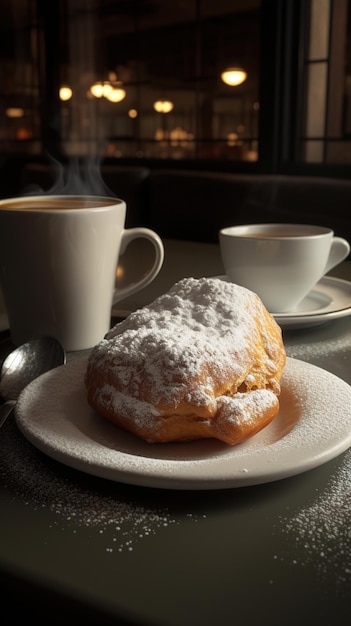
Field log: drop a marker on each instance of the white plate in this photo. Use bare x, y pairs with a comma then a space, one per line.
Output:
313, 426
330, 299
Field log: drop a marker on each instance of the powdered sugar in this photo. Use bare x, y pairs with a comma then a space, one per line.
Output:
242, 407
75, 502
322, 530
203, 335
314, 351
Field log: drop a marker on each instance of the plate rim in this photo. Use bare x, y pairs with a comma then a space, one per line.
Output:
158, 474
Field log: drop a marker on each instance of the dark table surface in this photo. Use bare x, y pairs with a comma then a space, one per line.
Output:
79, 549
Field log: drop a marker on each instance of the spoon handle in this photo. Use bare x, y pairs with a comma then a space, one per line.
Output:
5, 410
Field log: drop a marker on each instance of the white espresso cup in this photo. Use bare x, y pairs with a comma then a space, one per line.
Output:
58, 263
280, 262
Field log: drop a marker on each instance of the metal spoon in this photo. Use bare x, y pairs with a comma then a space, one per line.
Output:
23, 365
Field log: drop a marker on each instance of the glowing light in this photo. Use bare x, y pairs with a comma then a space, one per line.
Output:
14, 112
133, 113
65, 93
232, 139
163, 106
178, 137
234, 76
101, 89
115, 95
23, 133
120, 272
159, 134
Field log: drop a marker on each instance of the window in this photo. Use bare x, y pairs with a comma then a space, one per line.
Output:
142, 81
136, 53
327, 71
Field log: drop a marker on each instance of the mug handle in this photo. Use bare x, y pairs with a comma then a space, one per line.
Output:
129, 235
339, 250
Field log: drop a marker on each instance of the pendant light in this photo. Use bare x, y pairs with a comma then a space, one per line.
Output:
234, 76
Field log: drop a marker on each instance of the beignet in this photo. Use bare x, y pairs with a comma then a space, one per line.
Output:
202, 361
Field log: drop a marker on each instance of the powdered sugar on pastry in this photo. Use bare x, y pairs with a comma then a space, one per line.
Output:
203, 360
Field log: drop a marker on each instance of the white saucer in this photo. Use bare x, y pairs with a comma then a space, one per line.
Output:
312, 427
330, 299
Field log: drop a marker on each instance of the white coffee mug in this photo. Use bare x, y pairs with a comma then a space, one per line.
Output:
280, 262
58, 262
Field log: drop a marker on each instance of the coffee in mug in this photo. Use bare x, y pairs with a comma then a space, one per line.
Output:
280, 262
58, 262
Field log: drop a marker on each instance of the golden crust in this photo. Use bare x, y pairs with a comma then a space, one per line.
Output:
202, 361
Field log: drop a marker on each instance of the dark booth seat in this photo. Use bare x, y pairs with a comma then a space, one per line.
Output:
194, 205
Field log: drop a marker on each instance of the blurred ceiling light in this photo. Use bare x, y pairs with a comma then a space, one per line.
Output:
234, 76
232, 139
133, 113
178, 137
116, 95
163, 106
65, 93
101, 89
14, 112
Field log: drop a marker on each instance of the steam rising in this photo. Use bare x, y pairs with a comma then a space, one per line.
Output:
77, 178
